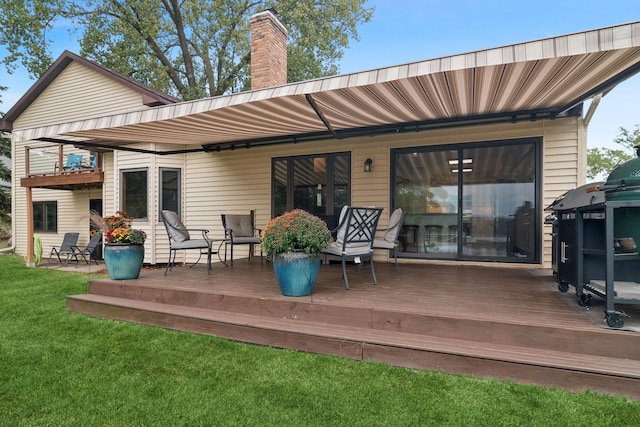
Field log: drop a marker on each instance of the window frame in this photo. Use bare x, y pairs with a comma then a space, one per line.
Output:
161, 206
45, 204
330, 170
537, 142
123, 198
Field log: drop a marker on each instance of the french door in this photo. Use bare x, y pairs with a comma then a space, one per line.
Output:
318, 183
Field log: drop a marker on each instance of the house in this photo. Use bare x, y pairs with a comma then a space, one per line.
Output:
471, 146
47, 188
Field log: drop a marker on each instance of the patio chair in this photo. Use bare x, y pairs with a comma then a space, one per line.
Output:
390, 240
180, 239
241, 230
87, 251
65, 249
354, 237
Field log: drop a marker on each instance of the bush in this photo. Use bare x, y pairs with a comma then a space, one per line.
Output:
297, 229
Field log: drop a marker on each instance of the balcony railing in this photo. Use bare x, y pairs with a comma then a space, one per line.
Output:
62, 167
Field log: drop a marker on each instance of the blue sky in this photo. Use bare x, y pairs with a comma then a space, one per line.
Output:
404, 31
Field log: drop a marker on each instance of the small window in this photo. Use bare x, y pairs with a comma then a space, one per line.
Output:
170, 189
135, 193
45, 217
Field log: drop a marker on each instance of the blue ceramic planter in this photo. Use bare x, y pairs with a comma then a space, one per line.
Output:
123, 261
296, 272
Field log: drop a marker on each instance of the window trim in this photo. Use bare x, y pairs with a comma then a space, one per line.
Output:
45, 203
123, 172
160, 190
290, 175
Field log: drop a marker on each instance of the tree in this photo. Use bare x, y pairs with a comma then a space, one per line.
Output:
190, 49
5, 173
601, 160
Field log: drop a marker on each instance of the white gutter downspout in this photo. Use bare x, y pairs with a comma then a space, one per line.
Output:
12, 248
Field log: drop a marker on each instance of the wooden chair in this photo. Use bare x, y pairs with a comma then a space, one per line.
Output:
180, 239
354, 237
65, 249
241, 230
87, 251
390, 240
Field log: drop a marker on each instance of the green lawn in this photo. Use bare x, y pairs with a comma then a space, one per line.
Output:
62, 369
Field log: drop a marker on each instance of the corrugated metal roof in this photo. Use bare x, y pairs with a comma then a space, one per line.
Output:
545, 77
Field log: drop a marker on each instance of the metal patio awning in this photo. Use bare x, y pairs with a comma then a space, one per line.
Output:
532, 80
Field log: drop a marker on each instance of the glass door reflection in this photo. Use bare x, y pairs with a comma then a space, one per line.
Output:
427, 191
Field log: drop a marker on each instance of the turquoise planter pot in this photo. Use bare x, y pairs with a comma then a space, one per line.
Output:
296, 273
123, 261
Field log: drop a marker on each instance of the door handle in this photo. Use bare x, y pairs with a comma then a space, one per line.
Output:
563, 252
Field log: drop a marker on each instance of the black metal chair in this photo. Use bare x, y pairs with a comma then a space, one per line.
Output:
390, 240
354, 238
180, 239
65, 249
241, 230
87, 251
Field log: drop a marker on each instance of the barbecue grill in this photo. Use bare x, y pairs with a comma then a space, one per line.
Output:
595, 231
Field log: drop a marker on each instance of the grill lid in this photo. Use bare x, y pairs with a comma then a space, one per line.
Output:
626, 174
588, 194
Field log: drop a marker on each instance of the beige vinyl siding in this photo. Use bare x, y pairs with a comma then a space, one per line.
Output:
78, 93
73, 209
564, 157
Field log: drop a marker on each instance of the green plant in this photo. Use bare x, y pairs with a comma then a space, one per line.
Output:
297, 229
117, 228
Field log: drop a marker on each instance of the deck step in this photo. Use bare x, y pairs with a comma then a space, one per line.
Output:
481, 327
572, 371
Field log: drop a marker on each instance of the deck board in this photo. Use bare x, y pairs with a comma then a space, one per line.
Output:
471, 292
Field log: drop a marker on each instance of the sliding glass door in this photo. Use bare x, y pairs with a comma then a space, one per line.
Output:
429, 197
469, 201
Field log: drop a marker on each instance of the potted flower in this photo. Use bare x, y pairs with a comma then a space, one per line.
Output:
293, 241
124, 245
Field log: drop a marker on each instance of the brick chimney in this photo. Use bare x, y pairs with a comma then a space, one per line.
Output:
268, 50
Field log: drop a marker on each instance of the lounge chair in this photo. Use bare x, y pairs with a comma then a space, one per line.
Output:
65, 249
87, 251
354, 237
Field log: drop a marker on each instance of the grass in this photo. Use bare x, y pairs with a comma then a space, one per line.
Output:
63, 369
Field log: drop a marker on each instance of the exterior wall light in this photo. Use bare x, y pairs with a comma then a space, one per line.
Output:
368, 165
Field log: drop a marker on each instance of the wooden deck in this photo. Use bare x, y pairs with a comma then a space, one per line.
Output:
486, 321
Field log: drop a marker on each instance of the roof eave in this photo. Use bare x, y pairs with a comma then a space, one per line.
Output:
150, 96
